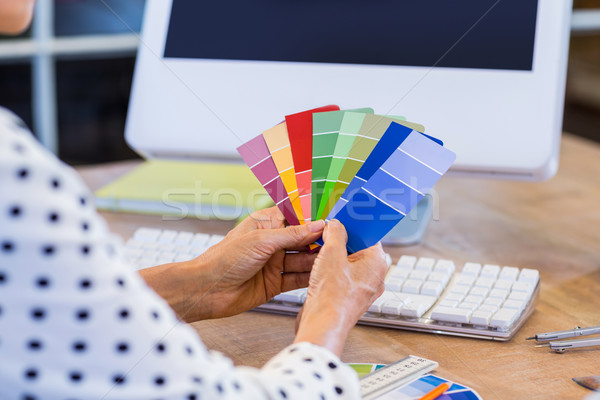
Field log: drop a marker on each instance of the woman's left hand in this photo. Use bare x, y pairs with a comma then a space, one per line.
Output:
246, 269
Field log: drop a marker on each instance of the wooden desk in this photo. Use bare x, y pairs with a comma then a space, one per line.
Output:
553, 226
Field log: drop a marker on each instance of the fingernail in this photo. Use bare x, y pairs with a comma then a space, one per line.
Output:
334, 223
316, 226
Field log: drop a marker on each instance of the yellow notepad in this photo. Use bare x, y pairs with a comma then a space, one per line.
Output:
182, 189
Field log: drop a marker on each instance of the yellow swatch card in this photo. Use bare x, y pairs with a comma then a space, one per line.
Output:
279, 145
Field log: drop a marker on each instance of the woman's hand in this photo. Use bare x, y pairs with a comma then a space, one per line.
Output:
244, 270
340, 290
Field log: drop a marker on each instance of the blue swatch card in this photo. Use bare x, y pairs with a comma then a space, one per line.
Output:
391, 139
393, 188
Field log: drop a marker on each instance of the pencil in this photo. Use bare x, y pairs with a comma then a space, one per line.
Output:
437, 392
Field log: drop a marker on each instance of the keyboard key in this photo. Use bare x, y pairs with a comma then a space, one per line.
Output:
165, 247
425, 264
133, 252
183, 238
460, 289
214, 239
479, 291
503, 284
183, 257
522, 287
196, 251
400, 272
406, 262
432, 288
456, 315
455, 297
514, 304
481, 317
448, 303
150, 254
498, 294
147, 234
293, 296
392, 307
529, 275
445, 266
393, 284
418, 274
164, 260
439, 277
412, 286
182, 249
388, 259
474, 299
490, 271
413, 310
488, 307
427, 301
167, 236
468, 306
519, 296
493, 301
471, 269
484, 282
504, 318
377, 305
509, 273
465, 280
200, 239
146, 262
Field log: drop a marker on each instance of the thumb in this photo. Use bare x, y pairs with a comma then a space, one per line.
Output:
293, 236
335, 239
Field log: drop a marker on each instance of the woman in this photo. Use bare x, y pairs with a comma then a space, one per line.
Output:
77, 322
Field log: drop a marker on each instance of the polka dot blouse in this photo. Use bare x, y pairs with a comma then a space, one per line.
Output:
77, 322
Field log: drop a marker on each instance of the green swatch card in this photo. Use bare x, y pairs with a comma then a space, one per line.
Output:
349, 127
326, 127
372, 129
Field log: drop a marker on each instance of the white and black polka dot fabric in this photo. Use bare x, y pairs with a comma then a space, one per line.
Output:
76, 322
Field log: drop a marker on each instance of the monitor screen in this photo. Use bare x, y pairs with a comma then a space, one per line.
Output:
483, 34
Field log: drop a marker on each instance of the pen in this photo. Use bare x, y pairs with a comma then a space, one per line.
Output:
561, 345
437, 392
592, 330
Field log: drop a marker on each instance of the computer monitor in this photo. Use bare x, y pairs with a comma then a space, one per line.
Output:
486, 76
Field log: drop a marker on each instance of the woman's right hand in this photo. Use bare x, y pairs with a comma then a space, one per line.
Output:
340, 290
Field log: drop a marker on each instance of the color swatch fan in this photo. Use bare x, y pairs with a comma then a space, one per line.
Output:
366, 170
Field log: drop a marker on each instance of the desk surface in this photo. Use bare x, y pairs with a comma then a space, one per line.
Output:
552, 226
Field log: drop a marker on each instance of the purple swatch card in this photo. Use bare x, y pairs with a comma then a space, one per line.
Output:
256, 155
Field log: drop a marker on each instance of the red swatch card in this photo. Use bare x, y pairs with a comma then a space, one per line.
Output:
300, 130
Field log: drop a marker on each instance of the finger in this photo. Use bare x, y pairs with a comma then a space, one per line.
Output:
294, 280
290, 237
268, 218
299, 262
335, 238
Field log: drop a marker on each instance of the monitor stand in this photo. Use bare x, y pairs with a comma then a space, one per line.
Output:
412, 227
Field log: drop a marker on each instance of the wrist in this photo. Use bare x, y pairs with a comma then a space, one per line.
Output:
327, 327
186, 286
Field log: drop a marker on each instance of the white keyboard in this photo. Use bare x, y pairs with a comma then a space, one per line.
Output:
421, 294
